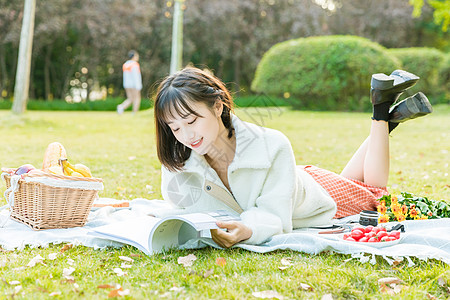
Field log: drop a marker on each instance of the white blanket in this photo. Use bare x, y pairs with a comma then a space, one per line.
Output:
425, 239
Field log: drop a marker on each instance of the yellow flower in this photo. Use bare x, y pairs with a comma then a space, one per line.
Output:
401, 217
430, 214
394, 199
383, 202
382, 209
413, 213
395, 208
404, 209
424, 218
383, 219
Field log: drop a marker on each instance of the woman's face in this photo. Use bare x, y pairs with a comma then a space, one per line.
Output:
199, 133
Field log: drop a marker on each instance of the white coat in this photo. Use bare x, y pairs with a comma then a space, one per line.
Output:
274, 194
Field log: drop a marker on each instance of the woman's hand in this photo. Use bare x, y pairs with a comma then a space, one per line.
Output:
235, 233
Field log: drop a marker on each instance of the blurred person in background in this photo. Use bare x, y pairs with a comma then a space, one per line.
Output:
132, 82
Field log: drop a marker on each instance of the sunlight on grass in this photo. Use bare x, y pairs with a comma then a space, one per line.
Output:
121, 150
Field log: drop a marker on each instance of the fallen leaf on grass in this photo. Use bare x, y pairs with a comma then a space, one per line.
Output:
52, 256
14, 282
392, 289
220, 261
54, 294
282, 268
306, 287
65, 248
176, 289
118, 293
429, 296
286, 261
119, 272
135, 255
126, 258
35, 260
389, 280
327, 297
67, 272
70, 261
267, 295
187, 261
105, 286
125, 266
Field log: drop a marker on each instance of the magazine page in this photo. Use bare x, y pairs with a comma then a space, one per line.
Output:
174, 231
134, 232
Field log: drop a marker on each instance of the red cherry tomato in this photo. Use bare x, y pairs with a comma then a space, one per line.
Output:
395, 234
370, 234
357, 234
359, 228
376, 229
384, 239
381, 234
373, 240
350, 239
368, 229
382, 228
346, 235
363, 239
391, 238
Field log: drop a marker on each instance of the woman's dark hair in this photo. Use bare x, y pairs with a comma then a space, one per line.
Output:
173, 96
131, 54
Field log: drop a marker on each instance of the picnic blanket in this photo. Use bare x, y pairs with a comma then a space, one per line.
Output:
424, 239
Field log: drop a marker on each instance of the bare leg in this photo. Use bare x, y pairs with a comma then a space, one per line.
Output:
136, 100
125, 104
370, 163
376, 164
355, 167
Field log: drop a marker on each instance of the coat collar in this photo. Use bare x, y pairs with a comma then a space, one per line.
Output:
251, 150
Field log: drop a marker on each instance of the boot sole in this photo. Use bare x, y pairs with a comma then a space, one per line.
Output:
417, 106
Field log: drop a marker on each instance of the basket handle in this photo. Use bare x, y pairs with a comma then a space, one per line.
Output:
9, 193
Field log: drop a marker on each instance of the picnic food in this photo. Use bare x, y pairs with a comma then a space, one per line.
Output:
55, 151
371, 234
78, 170
24, 169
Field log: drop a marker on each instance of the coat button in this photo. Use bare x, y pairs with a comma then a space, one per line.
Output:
208, 187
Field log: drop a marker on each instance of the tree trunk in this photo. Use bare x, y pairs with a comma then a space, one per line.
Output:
176, 59
24, 65
47, 81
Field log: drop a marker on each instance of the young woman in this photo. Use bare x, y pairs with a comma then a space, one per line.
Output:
132, 83
213, 160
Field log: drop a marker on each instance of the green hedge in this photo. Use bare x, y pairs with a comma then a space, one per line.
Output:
325, 72
109, 104
425, 63
444, 79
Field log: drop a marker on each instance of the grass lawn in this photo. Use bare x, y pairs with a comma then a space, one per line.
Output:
121, 150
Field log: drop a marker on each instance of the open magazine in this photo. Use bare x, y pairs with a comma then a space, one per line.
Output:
154, 235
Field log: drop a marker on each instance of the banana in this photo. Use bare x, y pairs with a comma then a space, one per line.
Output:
78, 170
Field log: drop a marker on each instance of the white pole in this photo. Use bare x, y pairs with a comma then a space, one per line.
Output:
24, 60
176, 59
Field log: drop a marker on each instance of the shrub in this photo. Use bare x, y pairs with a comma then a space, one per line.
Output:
425, 63
326, 72
444, 79
109, 104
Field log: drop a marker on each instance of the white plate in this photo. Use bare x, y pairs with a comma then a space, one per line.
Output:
375, 245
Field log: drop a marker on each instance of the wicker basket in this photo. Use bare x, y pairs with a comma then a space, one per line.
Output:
42, 206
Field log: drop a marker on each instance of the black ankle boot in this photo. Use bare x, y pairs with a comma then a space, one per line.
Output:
389, 88
410, 108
